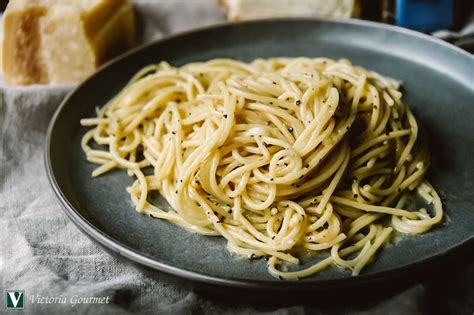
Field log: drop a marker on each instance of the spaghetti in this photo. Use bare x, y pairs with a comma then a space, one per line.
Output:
276, 156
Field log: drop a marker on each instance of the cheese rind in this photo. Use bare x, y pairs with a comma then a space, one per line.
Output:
62, 42
22, 62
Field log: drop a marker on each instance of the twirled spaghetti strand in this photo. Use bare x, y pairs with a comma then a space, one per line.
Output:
276, 156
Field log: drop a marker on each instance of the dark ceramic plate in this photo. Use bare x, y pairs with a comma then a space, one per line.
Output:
438, 84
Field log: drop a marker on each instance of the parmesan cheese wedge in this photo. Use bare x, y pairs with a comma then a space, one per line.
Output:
63, 41
255, 9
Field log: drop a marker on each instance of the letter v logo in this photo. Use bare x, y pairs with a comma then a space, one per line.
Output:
15, 300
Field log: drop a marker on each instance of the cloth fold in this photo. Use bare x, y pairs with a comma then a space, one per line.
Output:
45, 255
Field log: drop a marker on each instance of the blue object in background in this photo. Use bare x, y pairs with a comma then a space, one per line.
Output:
424, 15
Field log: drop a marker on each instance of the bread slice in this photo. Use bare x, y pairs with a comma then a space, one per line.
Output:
254, 9
63, 41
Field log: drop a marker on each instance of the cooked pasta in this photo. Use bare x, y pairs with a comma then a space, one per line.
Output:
279, 156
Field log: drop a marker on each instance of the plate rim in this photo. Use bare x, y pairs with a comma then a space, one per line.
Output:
114, 245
